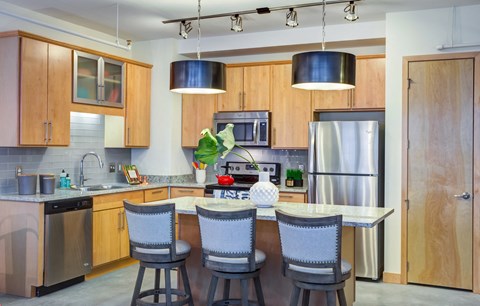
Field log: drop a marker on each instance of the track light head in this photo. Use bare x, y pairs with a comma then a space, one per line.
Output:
292, 20
185, 28
236, 25
350, 11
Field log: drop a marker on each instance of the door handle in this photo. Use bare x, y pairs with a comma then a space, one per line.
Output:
464, 196
50, 124
46, 131
255, 128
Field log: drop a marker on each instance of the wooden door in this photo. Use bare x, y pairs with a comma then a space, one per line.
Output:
137, 115
291, 111
124, 238
232, 100
369, 89
256, 88
106, 235
59, 94
197, 114
332, 99
440, 133
33, 92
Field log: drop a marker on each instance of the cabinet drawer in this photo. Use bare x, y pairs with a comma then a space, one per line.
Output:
176, 192
291, 197
156, 194
115, 200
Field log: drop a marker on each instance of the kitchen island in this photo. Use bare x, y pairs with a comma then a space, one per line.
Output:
276, 288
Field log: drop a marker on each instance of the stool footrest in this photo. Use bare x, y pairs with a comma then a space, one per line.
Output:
162, 291
233, 302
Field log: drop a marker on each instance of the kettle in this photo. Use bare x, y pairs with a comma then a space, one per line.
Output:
225, 179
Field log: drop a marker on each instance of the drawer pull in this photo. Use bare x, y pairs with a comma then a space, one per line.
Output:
185, 191
158, 191
286, 196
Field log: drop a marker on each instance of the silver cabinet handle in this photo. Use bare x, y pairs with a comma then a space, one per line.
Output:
45, 123
185, 191
50, 124
464, 196
243, 101
240, 100
128, 136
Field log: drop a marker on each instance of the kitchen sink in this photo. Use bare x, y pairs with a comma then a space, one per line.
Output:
99, 187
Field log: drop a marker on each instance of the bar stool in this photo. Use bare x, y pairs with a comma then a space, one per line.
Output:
152, 241
228, 250
311, 254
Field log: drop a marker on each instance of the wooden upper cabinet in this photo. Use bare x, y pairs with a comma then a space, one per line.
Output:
197, 114
248, 89
137, 114
45, 93
369, 92
370, 83
291, 111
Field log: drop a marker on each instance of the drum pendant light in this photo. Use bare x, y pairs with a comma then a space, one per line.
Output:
197, 76
323, 70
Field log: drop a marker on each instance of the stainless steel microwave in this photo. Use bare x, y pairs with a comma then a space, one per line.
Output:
250, 128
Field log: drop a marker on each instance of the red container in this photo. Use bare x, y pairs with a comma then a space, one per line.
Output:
225, 179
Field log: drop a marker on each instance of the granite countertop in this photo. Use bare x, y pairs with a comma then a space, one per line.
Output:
62, 194
352, 215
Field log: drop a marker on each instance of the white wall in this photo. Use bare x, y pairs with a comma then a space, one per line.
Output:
413, 33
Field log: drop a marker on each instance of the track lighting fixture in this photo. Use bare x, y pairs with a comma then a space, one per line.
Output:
185, 28
351, 14
291, 18
236, 23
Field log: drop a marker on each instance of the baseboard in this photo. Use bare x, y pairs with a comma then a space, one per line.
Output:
107, 268
392, 278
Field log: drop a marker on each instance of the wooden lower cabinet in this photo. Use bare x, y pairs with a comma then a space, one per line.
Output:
177, 192
158, 194
292, 197
110, 231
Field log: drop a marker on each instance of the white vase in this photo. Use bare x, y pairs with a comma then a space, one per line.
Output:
264, 193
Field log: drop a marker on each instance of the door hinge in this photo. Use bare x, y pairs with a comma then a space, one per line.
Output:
407, 203
409, 82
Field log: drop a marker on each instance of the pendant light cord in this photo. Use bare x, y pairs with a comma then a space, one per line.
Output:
198, 31
324, 4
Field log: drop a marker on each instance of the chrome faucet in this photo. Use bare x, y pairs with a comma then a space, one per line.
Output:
100, 163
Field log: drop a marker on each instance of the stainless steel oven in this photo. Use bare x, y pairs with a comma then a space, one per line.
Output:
250, 128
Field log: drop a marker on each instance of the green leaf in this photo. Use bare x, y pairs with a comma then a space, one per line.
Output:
207, 151
226, 140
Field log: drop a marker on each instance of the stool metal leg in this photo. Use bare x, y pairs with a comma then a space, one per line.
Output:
226, 289
186, 284
258, 290
138, 285
244, 283
157, 284
295, 296
331, 298
211, 290
341, 297
306, 297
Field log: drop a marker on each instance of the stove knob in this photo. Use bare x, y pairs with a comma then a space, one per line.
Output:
237, 168
265, 169
231, 168
271, 169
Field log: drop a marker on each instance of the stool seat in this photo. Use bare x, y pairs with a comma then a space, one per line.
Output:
151, 230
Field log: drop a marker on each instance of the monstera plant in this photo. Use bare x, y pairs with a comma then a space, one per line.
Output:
211, 147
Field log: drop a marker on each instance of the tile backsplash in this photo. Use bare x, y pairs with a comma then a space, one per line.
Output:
86, 135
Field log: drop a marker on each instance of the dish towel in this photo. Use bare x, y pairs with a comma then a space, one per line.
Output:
231, 194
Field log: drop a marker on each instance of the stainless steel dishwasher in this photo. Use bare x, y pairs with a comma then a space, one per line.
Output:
68, 243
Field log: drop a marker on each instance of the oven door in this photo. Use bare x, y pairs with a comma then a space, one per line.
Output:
247, 132
227, 194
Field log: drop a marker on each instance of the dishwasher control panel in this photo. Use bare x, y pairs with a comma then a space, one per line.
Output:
61, 206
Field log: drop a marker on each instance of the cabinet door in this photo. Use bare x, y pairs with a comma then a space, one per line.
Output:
124, 238
197, 114
113, 81
370, 84
256, 88
292, 197
291, 111
177, 192
33, 92
332, 99
232, 100
156, 194
137, 115
59, 94
86, 71
106, 235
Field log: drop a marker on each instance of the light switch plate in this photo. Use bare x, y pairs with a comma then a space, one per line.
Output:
111, 167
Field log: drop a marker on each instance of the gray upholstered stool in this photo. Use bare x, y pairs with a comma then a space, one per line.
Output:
311, 251
228, 250
152, 241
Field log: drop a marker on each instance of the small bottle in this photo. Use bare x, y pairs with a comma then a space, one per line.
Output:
67, 181
63, 179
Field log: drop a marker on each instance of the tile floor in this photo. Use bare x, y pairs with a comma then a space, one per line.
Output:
115, 289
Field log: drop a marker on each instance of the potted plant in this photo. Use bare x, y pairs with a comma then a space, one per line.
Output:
289, 180
297, 178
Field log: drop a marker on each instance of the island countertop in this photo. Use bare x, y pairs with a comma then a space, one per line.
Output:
354, 216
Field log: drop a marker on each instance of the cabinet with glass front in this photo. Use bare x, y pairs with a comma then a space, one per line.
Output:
98, 80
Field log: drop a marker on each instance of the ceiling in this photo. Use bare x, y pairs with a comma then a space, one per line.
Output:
142, 19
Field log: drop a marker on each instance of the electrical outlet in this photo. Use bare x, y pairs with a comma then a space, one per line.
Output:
111, 167
301, 167
18, 170
119, 167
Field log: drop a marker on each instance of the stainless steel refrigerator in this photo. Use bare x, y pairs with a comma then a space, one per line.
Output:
345, 167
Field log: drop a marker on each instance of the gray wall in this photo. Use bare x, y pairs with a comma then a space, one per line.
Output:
86, 134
